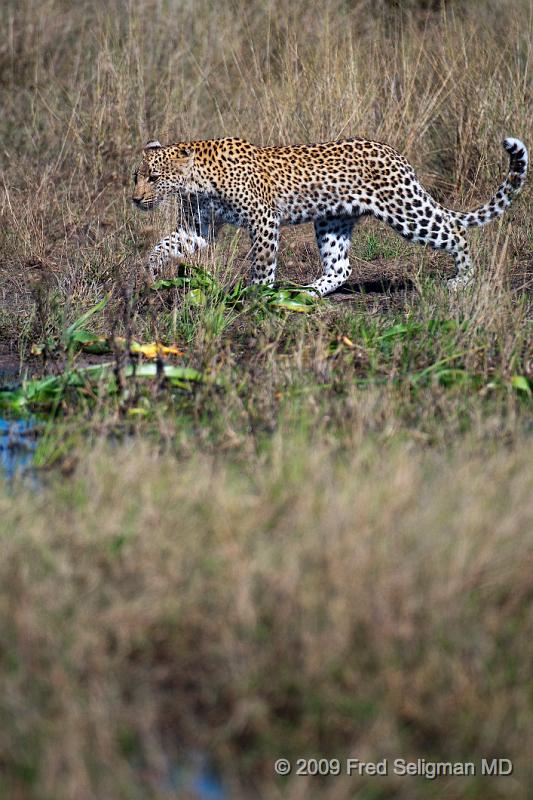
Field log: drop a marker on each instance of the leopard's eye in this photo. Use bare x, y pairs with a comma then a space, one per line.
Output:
135, 178
153, 178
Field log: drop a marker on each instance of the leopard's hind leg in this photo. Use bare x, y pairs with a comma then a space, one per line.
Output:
333, 238
434, 227
461, 253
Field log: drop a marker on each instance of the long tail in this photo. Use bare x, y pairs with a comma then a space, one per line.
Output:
506, 193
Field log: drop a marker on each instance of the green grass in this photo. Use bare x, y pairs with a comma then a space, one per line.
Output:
246, 356
323, 372
372, 247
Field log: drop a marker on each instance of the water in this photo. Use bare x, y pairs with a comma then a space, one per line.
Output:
18, 436
200, 781
17, 445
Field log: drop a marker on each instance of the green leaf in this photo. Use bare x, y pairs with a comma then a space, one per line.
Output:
170, 371
84, 317
435, 367
399, 330
292, 305
97, 346
521, 384
13, 400
442, 324
39, 390
138, 412
196, 297
83, 336
293, 299
169, 283
182, 373
236, 292
307, 297
451, 377
46, 390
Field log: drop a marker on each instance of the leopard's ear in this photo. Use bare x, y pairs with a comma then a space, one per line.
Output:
153, 145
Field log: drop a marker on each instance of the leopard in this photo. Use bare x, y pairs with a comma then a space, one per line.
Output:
331, 184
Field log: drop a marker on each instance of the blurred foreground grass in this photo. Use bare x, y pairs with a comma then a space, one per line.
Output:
373, 603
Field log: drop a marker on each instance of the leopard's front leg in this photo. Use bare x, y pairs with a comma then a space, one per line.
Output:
264, 235
179, 244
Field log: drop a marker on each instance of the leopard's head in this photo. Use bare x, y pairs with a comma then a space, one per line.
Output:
163, 171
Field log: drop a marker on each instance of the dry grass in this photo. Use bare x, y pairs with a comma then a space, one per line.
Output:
377, 604
323, 549
83, 87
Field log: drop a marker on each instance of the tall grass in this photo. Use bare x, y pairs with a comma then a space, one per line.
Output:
83, 87
376, 604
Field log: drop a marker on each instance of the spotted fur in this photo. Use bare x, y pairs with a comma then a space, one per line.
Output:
332, 184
